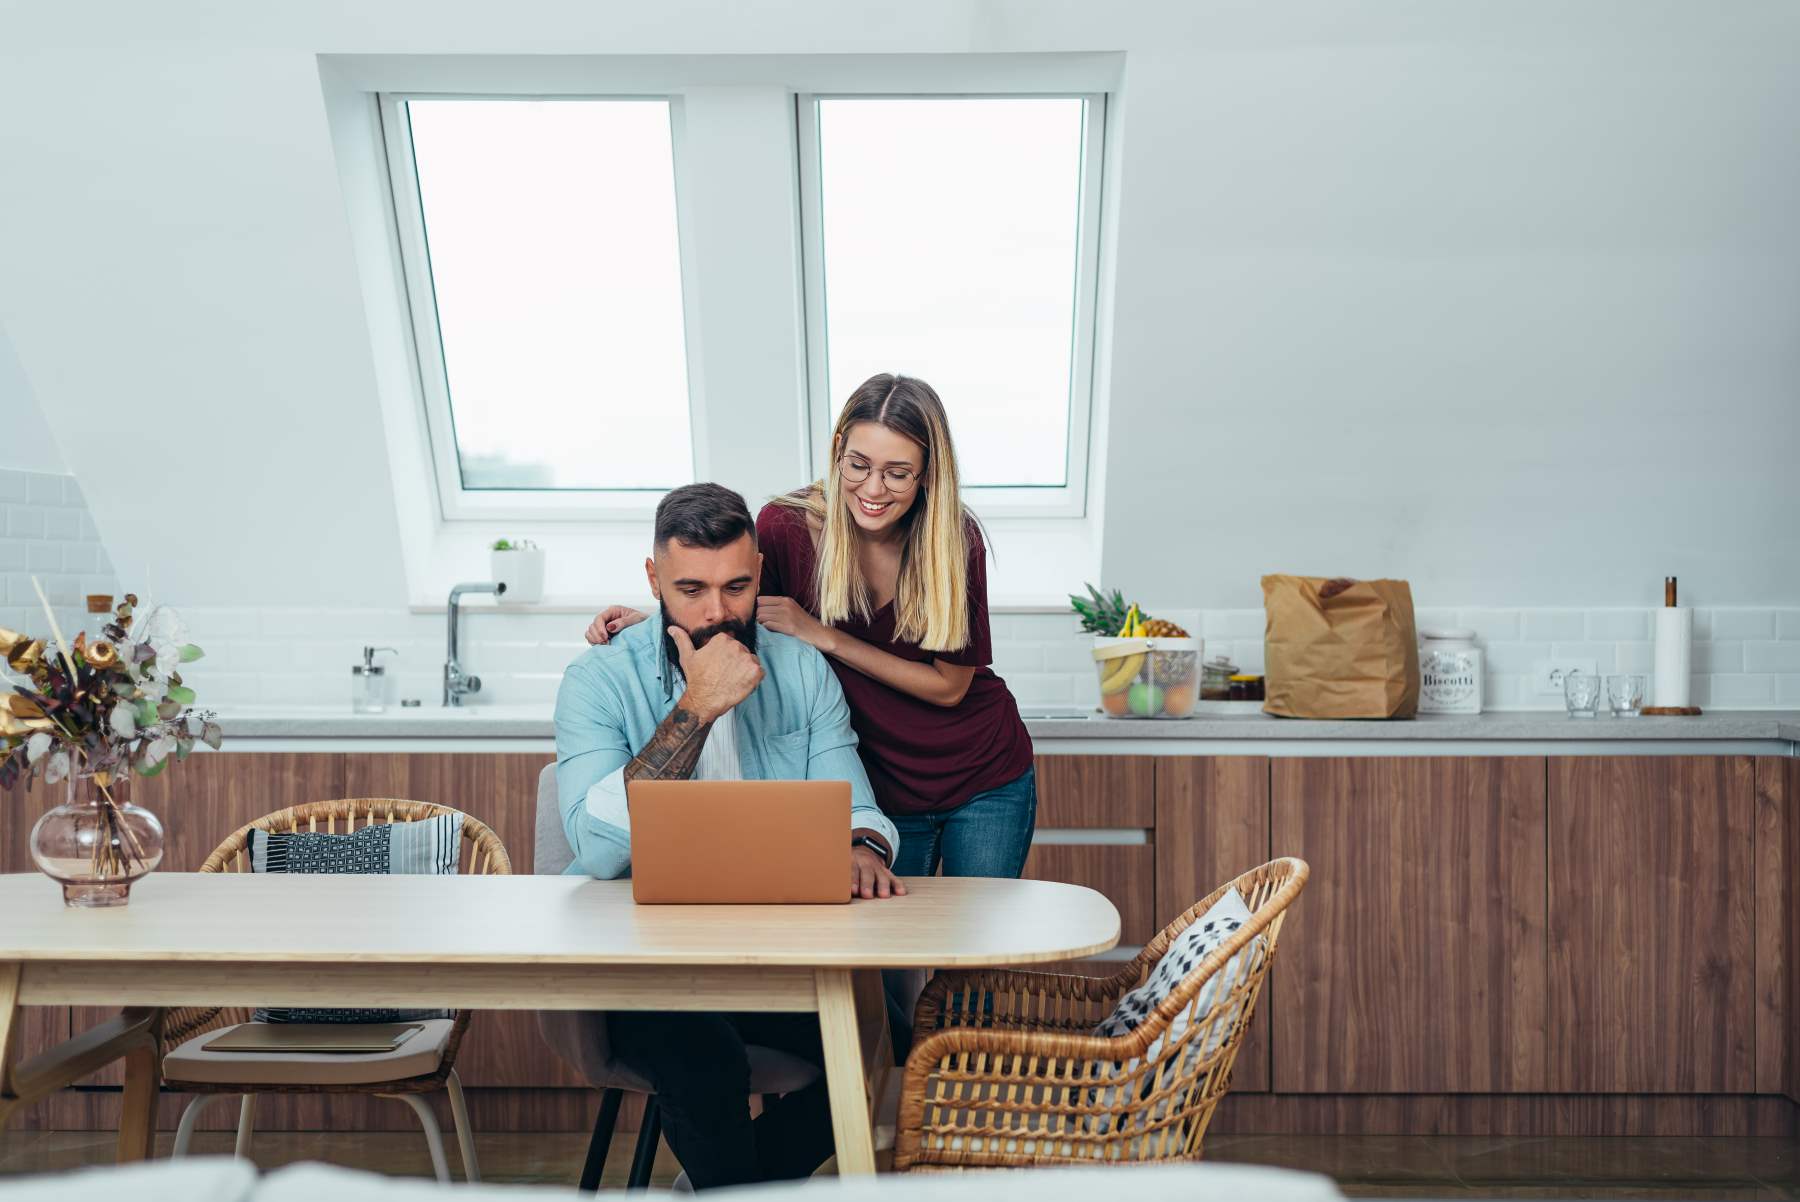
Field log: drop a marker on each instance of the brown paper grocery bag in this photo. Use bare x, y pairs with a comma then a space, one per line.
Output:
1339, 648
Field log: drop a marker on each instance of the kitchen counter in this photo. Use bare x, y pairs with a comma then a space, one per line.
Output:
1224, 729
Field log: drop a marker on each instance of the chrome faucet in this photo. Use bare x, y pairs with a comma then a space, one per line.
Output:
457, 683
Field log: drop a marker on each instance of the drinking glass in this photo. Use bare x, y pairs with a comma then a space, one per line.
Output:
1626, 692
1581, 691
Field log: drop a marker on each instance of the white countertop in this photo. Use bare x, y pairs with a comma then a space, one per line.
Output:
1050, 724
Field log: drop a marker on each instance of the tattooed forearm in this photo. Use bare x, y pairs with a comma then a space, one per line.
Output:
672, 751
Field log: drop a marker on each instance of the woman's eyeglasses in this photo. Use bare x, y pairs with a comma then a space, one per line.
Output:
897, 479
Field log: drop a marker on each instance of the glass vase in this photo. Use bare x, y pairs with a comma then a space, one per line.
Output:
97, 843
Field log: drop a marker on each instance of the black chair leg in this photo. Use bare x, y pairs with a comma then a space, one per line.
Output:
604, 1123
649, 1135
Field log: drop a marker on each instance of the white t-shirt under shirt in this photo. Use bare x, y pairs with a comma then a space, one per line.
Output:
719, 756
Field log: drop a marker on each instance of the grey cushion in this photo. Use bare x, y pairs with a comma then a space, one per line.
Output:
579, 1036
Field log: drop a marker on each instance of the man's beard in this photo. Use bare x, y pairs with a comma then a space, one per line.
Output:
743, 632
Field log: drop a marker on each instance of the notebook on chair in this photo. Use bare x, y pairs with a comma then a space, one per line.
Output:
347, 1038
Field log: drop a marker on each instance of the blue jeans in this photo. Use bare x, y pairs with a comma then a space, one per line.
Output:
988, 835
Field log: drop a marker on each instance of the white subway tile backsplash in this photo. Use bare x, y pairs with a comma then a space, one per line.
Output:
24, 521
1743, 624
1743, 656
44, 558
1617, 625
1434, 619
1041, 689
1020, 657
1716, 658
1742, 691
1772, 657
1232, 624
1554, 626
63, 524
45, 490
210, 622
1491, 625
1604, 655
1521, 658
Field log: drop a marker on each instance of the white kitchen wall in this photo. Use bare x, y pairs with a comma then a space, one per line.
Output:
1496, 297
45, 532
25, 441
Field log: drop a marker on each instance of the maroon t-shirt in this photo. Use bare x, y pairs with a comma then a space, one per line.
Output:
921, 757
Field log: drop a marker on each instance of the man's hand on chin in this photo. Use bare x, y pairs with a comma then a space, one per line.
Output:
870, 877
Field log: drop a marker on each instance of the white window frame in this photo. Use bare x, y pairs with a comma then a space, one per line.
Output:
1068, 500
455, 502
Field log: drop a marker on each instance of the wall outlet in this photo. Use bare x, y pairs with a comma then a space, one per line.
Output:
1549, 673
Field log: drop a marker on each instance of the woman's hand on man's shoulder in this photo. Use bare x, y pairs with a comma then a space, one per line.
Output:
610, 621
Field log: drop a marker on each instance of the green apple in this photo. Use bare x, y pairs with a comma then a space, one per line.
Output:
1145, 699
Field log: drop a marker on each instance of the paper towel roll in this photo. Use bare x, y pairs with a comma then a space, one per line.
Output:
1674, 657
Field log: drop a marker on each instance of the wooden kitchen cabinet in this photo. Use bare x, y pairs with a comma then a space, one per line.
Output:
1212, 824
1775, 841
1112, 791
1651, 943
1414, 961
1091, 792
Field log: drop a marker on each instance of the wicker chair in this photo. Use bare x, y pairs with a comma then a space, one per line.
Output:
1005, 1072
425, 1072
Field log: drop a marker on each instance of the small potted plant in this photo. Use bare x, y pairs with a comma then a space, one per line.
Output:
518, 563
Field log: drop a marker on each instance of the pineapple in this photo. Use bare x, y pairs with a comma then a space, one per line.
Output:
1172, 667
1101, 615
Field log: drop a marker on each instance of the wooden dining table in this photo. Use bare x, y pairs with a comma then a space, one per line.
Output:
527, 943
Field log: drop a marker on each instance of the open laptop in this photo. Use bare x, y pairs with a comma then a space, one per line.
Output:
739, 841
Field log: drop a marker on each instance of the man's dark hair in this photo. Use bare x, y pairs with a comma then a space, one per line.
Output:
708, 516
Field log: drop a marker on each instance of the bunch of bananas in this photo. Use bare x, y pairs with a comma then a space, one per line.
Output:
1125, 669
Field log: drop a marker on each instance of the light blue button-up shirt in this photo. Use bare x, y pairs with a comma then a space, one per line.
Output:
794, 726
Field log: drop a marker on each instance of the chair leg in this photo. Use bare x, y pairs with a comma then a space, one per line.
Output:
434, 1135
184, 1132
465, 1134
649, 1135
246, 1126
604, 1122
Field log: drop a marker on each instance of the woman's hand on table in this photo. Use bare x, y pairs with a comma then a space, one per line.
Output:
610, 621
784, 615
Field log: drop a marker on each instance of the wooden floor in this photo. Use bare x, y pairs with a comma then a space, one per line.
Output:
1366, 1166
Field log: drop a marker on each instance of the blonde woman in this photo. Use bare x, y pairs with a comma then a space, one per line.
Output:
881, 567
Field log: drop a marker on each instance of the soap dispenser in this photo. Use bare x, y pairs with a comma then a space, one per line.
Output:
368, 683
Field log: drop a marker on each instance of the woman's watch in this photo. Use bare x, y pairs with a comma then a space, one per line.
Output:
873, 845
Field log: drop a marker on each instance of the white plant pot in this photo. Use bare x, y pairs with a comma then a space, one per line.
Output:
523, 574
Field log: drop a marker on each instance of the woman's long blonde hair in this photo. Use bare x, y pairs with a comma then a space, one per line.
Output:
931, 603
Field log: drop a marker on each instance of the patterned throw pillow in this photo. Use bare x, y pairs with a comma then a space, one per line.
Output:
428, 847
1200, 939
